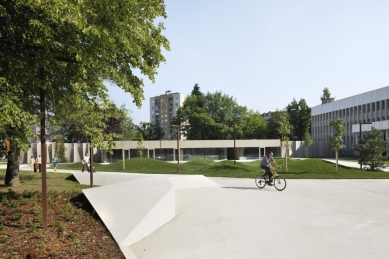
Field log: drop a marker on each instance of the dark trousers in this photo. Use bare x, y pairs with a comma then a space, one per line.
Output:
267, 171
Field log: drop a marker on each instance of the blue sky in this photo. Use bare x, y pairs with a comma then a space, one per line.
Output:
265, 53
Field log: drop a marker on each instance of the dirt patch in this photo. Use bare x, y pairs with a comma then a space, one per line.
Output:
74, 229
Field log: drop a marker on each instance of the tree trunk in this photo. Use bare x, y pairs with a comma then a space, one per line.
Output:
12, 172
336, 157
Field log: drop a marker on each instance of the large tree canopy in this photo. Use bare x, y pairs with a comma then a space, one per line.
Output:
214, 115
150, 131
299, 117
64, 50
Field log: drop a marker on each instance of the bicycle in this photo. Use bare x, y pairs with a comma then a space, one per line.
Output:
279, 182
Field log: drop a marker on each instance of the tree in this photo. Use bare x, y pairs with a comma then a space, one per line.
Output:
196, 90
284, 130
60, 149
140, 145
337, 141
299, 117
307, 142
370, 148
210, 116
273, 125
254, 126
150, 131
56, 54
14, 127
326, 97
127, 127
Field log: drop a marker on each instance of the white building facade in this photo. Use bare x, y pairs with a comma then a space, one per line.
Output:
163, 108
359, 112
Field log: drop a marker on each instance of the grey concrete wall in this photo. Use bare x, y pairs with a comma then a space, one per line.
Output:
75, 151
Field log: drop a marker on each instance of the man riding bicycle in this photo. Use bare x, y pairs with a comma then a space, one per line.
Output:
265, 164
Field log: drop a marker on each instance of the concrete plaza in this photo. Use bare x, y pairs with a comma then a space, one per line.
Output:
309, 219
172, 216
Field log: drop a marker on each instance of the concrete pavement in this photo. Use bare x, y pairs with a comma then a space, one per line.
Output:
232, 218
309, 219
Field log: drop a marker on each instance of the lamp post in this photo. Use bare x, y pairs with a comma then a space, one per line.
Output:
234, 144
178, 146
360, 135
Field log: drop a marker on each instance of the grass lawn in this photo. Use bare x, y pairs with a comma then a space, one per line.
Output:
312, 168
33, 182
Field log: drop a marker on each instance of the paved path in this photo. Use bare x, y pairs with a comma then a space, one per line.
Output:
309, 219
234, 219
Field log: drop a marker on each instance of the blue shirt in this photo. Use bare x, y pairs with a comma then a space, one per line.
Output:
265, 160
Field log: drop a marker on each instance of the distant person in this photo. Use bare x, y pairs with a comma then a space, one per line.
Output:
39, 159
85, 162
55, 162
31, 161
39, 162
265, 164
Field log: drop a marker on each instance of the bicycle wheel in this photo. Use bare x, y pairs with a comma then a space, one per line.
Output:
279, 183
260, 182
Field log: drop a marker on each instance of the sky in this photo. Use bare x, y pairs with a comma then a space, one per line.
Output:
267, 53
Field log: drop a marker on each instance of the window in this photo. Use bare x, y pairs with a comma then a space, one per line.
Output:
372, 107
368, 120
378, 106
368, 107
383, 104
355, 110
344, 112
363, 108
373, 120
347, 112
176, 104
359, 108
378, 119
383, 118
351, 111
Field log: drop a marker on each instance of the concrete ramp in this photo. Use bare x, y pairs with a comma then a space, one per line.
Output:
133, 206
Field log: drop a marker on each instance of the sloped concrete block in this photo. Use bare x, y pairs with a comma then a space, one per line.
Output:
133, 206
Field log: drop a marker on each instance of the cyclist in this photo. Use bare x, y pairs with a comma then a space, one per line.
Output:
265, 164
